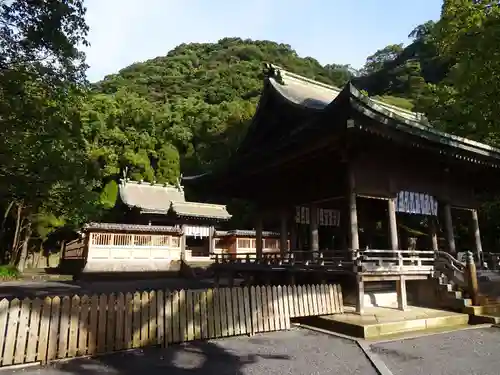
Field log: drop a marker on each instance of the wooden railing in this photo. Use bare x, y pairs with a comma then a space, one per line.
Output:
372, 260
358, 261
461, 274
42, 330
125, 240
453, 269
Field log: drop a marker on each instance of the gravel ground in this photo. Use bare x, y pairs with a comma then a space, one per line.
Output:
473, 351
298, 352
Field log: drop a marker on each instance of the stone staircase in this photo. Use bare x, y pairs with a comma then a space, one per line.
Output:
488, 311
450, 295
45, 274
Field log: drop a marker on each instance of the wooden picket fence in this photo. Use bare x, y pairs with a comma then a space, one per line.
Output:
43, 330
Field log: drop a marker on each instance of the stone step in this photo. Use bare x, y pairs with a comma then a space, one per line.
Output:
380, 327
493, 310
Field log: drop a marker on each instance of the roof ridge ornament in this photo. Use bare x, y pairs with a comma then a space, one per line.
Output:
272, 71
178, 184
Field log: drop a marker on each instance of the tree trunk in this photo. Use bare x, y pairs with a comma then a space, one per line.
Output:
24, 250
3, 255
37, 256
15, 240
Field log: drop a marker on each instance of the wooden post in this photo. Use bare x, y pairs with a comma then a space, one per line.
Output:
293, 236
313, 225
449, 229
401, 291
477, 237
433, 233
258, 238
472, 278
393, 228
183, 244
360, 295
353, 214
293, 231
283, 234
211, 241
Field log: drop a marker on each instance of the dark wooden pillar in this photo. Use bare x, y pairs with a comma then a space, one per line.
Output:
258, 237
401, 292
450, 236
313, 225
353, 214
293, 234
360, 295
471, 275
283, 233
211, 241
477, 237
393, 227
433, 233
183, 244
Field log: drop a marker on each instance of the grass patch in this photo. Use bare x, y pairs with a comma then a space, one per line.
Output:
8, 272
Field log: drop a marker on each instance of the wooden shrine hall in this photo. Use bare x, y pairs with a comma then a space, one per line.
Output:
382, 168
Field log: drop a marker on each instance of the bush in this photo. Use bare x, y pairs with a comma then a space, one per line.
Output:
8, 272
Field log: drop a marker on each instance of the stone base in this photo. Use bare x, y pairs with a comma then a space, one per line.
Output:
385, 322
381, 299
131, 266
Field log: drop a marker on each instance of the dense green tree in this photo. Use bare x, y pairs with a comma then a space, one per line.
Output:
465, 101
43, 173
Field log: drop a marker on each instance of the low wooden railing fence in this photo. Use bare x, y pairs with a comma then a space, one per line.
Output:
43, 330
368, 260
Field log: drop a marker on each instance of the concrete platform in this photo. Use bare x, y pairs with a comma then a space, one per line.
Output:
379, 322
484, 314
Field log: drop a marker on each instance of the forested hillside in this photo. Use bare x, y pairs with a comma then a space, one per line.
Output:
65, 143
196, 102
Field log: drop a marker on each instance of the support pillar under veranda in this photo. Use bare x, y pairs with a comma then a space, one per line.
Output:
354, 240
477, 237
448, 222
258, 237
283, 233
314, 229
393, 228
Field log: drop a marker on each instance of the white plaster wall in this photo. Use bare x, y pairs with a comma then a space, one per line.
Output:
131, 259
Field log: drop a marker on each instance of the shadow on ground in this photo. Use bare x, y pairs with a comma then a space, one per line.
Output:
189, 358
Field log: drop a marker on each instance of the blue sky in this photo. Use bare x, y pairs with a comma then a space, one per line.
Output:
332, 31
